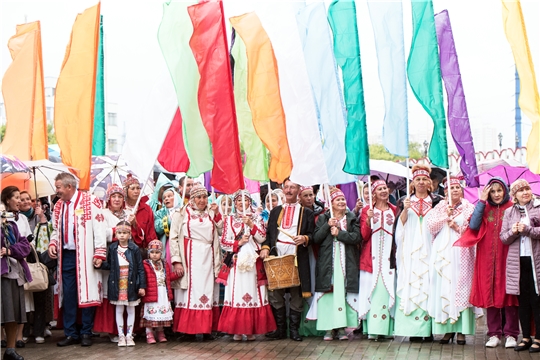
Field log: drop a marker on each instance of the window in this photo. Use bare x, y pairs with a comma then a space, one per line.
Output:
112, 119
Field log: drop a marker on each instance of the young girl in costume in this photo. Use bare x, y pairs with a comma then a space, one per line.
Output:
127, 280
157, 312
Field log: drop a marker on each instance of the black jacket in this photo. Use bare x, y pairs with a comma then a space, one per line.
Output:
351, 238
302, 255
136, 275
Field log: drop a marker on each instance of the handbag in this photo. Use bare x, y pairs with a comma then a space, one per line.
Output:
40, 275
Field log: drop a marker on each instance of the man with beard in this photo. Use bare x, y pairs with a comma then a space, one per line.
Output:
290, 231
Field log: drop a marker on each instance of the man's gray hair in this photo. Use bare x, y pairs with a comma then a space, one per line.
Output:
66, 179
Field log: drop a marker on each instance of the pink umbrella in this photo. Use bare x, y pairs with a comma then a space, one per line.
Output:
510, 174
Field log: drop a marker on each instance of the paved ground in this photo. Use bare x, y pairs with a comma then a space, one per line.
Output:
310, 348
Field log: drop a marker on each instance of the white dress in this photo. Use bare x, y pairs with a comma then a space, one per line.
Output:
160, 310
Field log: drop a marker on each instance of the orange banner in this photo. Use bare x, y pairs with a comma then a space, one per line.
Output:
263, 94
22, 87
75, 94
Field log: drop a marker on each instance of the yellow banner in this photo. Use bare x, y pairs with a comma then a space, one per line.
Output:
22, 87
529, 101
75, 94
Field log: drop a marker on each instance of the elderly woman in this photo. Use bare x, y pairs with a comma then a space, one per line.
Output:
413, 249
246, 310
377, 276
15, 272
196, 257
489, 280
170, 201
521, 231
142, 228
336, 282
451, 267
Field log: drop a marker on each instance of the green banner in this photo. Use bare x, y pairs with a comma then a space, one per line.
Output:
98, 138
256, 158
342, 19
424, 72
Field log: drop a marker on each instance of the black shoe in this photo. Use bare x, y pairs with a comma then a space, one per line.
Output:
11, 354
526, 344
68, 341
187, 337
535, 349
86, 340
294, 325
208, 337
20, 344
281, 322
448, 337
415, 339
461, 340
4, 344
428, 338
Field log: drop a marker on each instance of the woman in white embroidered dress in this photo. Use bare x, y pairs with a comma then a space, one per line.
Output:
376, 298
196, 257
451, 267
246, 309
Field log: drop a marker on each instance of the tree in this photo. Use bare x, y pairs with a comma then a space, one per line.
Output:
378, 152
50, 133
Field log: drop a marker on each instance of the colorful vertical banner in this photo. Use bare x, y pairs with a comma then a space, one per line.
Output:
98, 138
458, 117
174, 34
215, 96
75, 95
173, 156
325, 87
264, 95
529, 100
256, 158
24, 96
424, 73
342, 18
301, 118
387, 23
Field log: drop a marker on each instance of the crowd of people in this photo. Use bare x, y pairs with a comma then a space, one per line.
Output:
416, 266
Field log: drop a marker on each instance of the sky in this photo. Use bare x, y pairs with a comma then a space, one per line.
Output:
133, 57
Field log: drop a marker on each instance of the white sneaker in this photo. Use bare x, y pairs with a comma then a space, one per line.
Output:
122, 341
129, 341
48, 333
114, 339
510, 342
493, 342
40, 340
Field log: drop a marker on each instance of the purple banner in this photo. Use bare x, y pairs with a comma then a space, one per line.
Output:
349, 190
458, 118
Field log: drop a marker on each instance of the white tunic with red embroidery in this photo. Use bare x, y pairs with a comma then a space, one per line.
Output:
245, 308
382, 227
413, 242
451, 267
90, 243
196, 305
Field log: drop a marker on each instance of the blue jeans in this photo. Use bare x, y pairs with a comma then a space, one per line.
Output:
71, 299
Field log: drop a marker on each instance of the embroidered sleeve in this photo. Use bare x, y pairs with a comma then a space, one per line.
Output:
258, 231
437, 218
227, 238
98, 229
54, 220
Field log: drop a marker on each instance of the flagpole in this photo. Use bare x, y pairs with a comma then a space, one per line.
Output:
327, 193
269, 194
408, 180
358, 189
448, 184
183, 191
136, 207
212, 196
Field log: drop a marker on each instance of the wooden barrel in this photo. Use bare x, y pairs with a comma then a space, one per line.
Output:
281, 272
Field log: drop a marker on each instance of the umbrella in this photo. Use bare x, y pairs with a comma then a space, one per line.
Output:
108, 170
393, 173
39, 180
510, 174
11, 165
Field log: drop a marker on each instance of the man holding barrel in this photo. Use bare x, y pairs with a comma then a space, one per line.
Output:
290, 232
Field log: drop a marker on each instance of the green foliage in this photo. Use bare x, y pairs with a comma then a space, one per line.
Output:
378, 152
50, 133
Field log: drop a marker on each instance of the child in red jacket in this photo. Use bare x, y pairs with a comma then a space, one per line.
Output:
157, 312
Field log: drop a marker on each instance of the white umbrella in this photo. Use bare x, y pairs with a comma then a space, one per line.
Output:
392, 172
42, 174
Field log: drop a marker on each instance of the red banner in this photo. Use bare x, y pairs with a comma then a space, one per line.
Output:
216, 98
173, 156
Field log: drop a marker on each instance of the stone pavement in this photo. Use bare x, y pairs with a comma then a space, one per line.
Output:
310, 348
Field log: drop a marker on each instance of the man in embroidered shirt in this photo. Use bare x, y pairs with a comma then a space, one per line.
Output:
78, 241
290, 231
